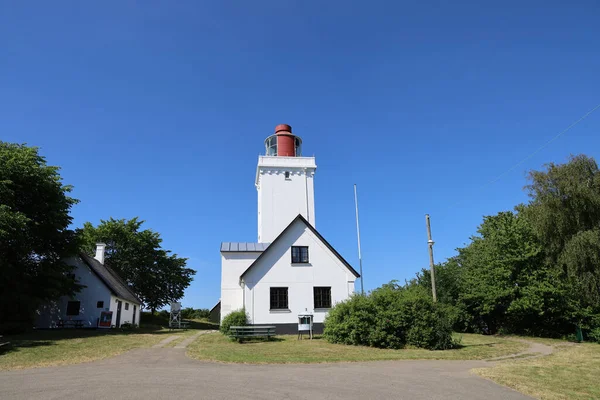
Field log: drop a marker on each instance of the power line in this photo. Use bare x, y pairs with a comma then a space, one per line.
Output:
496, 179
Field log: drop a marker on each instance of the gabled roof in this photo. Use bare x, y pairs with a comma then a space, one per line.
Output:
110, 278
316, 233
243, 247
216, 305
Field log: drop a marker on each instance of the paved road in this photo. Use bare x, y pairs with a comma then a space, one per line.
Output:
167, 373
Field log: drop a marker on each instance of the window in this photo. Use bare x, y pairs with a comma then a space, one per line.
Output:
73, 308
287, 175
299, 254
271, 145
322, 297
127, 306
279, 298
100, 304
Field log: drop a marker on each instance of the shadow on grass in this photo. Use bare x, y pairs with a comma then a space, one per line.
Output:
202, 325
149, 324
50, 337
258, 340
21, 344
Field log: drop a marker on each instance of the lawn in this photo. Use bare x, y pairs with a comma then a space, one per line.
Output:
45, 348
287, 349
61, 347
570, 373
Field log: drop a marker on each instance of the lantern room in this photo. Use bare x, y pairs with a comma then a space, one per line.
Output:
283, 143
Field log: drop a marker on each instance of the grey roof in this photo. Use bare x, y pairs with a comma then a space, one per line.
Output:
110, 279
244, 246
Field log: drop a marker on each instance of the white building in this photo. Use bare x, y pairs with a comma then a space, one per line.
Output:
104, 291
292, 269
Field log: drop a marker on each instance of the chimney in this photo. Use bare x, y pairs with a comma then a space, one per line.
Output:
100, 252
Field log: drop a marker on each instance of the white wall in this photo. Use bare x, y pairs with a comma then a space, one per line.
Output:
280, 200
95, 291
233, 264
126, 315
276, 270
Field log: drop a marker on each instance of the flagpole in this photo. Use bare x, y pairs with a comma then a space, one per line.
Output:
362, 288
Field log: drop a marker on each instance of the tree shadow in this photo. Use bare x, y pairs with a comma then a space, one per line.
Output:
202, 325
49, 337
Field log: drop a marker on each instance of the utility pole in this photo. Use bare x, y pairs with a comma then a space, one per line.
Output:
362, 287
430, 242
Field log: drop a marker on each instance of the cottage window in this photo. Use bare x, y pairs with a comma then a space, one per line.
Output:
127, 306
287, 175
279, 298
299, 254
322, 297
100, 304
73, 308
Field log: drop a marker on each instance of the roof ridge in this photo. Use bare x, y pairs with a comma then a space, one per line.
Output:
95, 265
316, 233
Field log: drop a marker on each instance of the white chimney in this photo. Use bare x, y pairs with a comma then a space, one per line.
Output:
100, 252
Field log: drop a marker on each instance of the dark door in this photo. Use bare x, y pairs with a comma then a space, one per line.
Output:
119, 304
134, 308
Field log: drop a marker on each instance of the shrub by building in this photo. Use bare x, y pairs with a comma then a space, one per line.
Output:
234, 318
390, 317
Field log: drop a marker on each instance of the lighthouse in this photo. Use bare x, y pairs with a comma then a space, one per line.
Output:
285, 184
291, 269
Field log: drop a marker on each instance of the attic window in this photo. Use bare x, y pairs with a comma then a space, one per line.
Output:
299, 254
287, 175
100, 304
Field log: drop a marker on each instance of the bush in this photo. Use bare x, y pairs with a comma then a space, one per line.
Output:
594, 335
148, 320
191, 313
235, 318
390, 317
128, 326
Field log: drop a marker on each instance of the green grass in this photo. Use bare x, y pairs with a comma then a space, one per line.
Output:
287, 349
195, 325
570, 373
46, 348
70, 346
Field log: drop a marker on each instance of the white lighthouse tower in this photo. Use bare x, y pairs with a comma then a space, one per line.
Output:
284, 181
291, 270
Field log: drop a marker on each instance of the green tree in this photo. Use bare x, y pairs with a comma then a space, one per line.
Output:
449, 287
34, 235
448, 280
565, 213
157, 276
494, 263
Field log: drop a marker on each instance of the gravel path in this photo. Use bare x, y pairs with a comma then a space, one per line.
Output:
535, 350
159, 373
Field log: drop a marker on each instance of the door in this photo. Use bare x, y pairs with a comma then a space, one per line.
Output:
134, 310
119, 304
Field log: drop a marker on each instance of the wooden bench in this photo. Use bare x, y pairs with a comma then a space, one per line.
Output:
242, 332
70, 323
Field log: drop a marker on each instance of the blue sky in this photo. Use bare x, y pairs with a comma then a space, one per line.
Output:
160, 109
